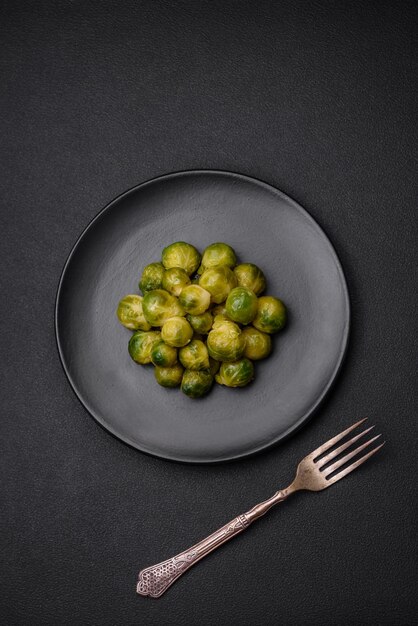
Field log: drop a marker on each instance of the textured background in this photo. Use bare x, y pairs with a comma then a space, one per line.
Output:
316, 98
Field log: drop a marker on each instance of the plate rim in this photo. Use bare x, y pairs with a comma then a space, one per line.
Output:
313, 408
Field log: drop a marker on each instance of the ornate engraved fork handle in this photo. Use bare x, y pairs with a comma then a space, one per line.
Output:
154, 580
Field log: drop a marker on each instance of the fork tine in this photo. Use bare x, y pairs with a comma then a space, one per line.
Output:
328, 444
354, 465
334, 453
348, 456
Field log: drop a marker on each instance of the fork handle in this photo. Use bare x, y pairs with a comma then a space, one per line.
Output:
156, 579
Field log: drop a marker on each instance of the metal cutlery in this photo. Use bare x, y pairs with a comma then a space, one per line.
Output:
318, 470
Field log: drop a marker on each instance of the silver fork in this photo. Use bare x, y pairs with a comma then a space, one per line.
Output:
314, 473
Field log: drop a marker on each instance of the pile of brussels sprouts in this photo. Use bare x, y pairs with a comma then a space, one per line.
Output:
201, 318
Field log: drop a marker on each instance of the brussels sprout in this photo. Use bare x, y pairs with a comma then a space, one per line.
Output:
213, 366
201, 323
218, 281
141, 344
194, 299
159, 306
271, 315
194, 356
217, 254
196, 383
169, 376
219, 312
218, 309
163, 355
177, 332
152, 277
225, 341
174, 280
241, 305
236, 374
257, 344
181, 254
130, 313
250, 276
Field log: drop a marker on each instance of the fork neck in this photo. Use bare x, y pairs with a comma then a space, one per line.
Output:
261, 509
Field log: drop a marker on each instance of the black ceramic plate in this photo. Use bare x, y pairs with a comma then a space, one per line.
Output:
265, 227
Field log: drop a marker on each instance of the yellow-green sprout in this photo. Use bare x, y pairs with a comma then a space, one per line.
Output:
130, 313
177, 332
236, 374
271, 315
217, 254
194, 356
141, 344
219, 312
174, 280
194, 299
241, 305
196, 384
169, 376
250, 276
152, 277
202, 323
225, 341
257, 344
163, 355
181, 254
159, 306
218, 281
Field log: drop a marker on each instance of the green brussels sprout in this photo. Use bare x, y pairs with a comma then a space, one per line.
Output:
241, 305
214, 366
163, 355
236, 374
141, 344
159, 306
174, 280
194, 299
169, 376
130, 313
202, 323
257, 344
250, 276
181, 254
217, 254
225, 341
194, 356
152, 277
271, 315
218, 281
196, 384
177, 332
